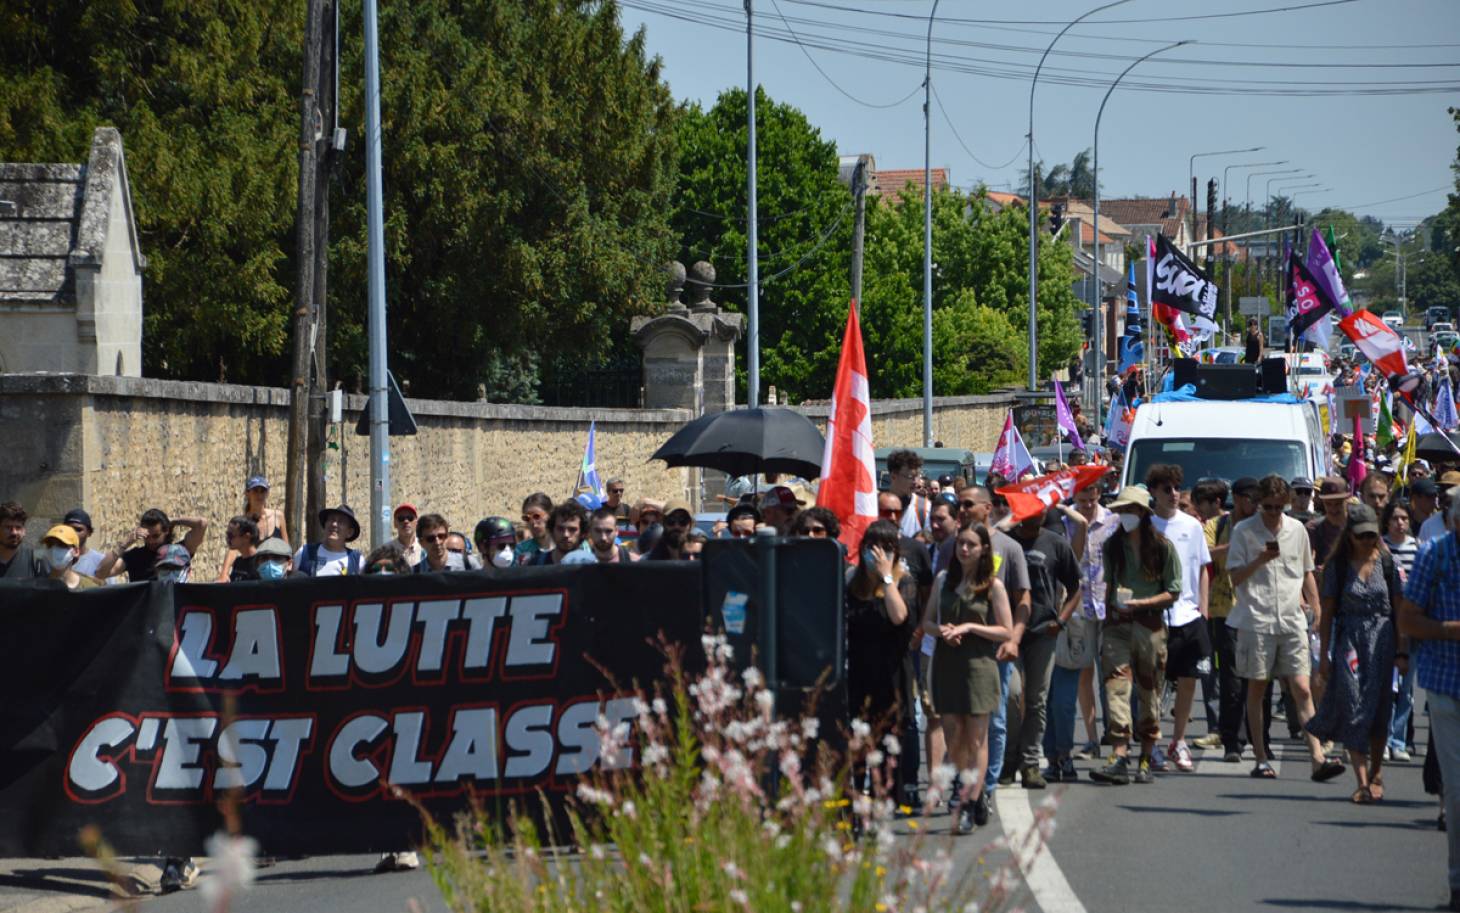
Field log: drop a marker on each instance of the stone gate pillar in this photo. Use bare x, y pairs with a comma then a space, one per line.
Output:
689, 350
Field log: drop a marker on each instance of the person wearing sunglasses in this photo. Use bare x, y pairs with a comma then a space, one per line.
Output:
1271, 567
388, 559
677, 523
1361, 588
613, 499
535, 510
817, 523
432, 530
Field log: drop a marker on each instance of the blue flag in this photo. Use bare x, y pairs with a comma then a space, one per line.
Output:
588, 480
1445, 413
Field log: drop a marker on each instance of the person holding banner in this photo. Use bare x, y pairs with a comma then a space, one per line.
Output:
967, 617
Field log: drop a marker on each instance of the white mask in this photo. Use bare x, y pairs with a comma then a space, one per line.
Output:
1129, 522
502, 557
58, 556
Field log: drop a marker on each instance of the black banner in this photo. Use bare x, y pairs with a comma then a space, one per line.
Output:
113, 710
1180, 284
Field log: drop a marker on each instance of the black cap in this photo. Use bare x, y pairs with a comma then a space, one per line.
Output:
1426, 487
494, 528
77, 515
1243, 486
743, 510
1301, 482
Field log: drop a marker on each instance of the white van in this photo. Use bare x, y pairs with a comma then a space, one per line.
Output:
1227, 439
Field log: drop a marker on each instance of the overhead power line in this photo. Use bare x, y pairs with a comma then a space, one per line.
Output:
1062, 22
1018, 152
826, 76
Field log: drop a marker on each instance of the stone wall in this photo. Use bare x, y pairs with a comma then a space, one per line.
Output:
118, 445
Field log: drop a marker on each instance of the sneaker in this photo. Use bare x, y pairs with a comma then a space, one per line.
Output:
1157, 758
1400, 755
981, 809
1143, 772
965, 818
1006, 778
1182, 754
1087, 751
1053, 773
397, 862
1116, 772
1233, 756
177, 874
1208, 741
1031, 778
1068, 772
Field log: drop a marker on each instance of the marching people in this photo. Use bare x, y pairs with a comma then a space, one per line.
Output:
1395, 522
1142, 580
968, 616
1361, 584
1231, 690
877, 628
1271, 566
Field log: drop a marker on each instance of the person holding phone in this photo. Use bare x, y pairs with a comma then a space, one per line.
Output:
1270, 561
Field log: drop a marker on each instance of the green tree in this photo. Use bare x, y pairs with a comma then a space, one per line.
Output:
204, 93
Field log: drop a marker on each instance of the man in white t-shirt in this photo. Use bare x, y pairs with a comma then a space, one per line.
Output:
333, 557
1188, 643
1433, 526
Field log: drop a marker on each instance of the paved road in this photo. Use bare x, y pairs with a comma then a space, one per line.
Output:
1212, 840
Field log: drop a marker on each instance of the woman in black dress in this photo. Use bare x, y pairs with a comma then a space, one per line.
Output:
878, 628
969, 616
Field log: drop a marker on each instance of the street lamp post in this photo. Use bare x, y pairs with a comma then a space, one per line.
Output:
1226, 207
1034, 203
1247, 208
1268, 216
1191, 175
1099, 324
752, 279
928, 237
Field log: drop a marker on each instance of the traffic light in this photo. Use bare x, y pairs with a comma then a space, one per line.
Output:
1056, 218
1087, 322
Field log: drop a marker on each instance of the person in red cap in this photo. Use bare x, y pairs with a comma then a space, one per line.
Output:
778, 507
404, 520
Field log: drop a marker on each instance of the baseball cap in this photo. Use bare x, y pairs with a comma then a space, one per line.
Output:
1244, 486
780, 496
1424, 487
743, 510
1301, 483
174, 555
1362, 519
676, 506
256, 482
64, 535
406, 506
77, 515
1330, 488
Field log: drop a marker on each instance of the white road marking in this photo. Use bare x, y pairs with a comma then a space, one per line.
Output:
1046, 882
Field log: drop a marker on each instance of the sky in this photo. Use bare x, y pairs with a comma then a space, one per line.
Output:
1352, 91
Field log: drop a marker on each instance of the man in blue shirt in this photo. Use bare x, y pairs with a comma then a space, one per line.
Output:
1429, 615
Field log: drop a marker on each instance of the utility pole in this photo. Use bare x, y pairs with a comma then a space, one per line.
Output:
752, 308
327, 146
859, 229
304, 235
375, 264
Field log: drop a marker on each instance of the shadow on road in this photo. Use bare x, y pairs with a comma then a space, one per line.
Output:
1200, 812
88, 882
1316, 903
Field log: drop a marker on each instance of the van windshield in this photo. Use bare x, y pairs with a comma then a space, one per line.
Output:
1218, 458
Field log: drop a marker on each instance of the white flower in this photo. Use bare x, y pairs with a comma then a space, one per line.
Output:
596, 851
860, 729
660, 707
655, 754
892, 745
629, 808
230, 869
943, 776
831, 847
752, 677
887, 901
783, 841
731, 869
739, 896
809, 727
796, 906
875, 758
590, 793
765, 701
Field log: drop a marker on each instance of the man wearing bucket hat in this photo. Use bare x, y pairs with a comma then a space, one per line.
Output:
1324, 531
1142, 580
333, 556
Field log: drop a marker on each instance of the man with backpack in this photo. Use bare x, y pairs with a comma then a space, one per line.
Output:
332, 557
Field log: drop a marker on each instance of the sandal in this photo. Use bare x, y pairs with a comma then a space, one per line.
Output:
1376, 790
1362, 796
1327, 771
1263, 771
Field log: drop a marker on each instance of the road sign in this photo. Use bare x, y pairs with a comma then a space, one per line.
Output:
1254, 306
1354, 403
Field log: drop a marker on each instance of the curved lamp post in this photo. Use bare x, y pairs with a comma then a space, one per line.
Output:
1034, 203
1099, 324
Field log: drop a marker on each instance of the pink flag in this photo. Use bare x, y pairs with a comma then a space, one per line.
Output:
1357, 471
848, 469
1064, 418
1011, 457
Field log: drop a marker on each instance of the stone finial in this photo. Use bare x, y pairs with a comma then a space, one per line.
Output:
675, 270
701, 277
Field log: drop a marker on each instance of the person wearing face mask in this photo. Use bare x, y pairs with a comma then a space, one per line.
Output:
61, 547
272, 560
1142, 580
138, 554
496, 540
174, 564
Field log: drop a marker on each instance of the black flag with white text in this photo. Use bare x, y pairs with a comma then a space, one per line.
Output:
1180, 284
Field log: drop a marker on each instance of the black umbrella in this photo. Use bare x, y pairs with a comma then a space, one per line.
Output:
743, 442
1433, 447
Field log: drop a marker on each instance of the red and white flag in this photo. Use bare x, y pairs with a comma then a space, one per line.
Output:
1011, 458
1030, 497
848, 466
1377, 340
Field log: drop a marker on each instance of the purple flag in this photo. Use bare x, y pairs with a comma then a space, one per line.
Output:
1325, 271
1064, 418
